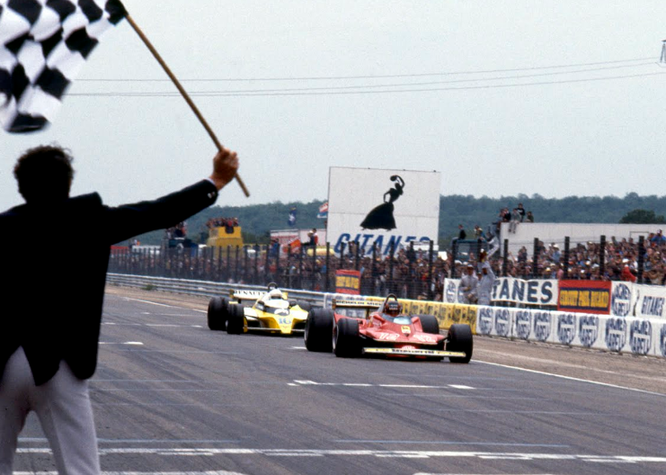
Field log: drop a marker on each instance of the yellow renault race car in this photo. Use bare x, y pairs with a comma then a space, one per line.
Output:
257, 310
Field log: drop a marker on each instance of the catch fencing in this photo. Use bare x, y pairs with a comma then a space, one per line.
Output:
408, 273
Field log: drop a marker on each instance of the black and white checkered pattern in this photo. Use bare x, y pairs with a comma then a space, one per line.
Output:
43, 45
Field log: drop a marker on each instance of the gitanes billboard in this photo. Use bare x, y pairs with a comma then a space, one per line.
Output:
382, 208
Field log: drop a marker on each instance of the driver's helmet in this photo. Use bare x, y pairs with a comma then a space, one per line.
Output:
392, 308
275, 294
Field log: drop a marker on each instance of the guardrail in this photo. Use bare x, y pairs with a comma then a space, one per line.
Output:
202, 287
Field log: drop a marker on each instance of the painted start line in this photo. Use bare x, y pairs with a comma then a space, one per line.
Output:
420, 454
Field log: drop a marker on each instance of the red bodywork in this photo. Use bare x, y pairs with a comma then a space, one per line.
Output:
404, 333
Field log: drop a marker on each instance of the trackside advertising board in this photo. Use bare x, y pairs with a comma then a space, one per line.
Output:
382, 208
584, 296
348, 282
637, 300
542, 292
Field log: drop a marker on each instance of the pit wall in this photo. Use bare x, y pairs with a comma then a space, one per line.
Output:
638, 336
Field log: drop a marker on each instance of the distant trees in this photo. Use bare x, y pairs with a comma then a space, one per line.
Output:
642, 216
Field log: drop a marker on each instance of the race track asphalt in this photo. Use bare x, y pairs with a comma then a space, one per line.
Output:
171, 396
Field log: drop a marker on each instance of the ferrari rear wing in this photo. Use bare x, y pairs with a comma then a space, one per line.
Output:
339, 303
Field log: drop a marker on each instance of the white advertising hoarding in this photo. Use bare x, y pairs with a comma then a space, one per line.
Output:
382, 207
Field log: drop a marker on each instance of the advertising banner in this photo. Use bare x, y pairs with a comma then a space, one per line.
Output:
529, 292
542, 292
348, 282
616, 334
382, 208
649, 301
584, 296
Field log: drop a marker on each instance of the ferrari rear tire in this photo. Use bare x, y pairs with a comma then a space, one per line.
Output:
319, 330
217, 313
429, 324
236, 321
460, 339
346, 339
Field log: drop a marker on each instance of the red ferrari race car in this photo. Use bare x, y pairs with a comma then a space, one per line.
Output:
354, 328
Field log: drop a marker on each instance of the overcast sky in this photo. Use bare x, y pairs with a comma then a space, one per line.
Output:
555, 97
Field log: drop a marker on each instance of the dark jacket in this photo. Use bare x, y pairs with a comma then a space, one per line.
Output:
55, 258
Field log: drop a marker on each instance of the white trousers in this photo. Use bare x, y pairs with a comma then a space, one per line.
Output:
64, 411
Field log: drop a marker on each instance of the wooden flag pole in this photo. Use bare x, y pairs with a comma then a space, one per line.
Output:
183, 93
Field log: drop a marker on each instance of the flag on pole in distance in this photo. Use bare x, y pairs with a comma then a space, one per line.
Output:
43, 45
323, 211
292, 217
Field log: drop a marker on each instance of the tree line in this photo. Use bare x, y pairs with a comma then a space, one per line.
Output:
258, 220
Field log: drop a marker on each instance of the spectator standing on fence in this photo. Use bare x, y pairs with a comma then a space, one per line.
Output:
478, 233
462, 235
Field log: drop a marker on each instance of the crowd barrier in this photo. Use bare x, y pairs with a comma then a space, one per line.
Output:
639, 336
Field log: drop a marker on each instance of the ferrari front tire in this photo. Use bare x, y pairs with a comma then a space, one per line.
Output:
217, 313
460, 339
346, 340
236, 321
319, 330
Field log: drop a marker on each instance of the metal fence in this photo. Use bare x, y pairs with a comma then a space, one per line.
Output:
406, 272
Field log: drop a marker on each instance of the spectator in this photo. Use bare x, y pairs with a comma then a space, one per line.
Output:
515, 219
486, 283
658, 238
478, 233
468, 285
521, 212
462, 235
530, 217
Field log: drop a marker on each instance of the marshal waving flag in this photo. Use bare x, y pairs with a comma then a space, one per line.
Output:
43, 45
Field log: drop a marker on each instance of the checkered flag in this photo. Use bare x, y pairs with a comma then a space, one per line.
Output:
43, 45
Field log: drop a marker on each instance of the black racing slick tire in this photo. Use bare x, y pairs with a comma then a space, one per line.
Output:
236, 321
346, 339
429, 324
304, 305
319, 330
217, 313
460, 339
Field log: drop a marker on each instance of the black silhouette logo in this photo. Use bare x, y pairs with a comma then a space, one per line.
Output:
381, 217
